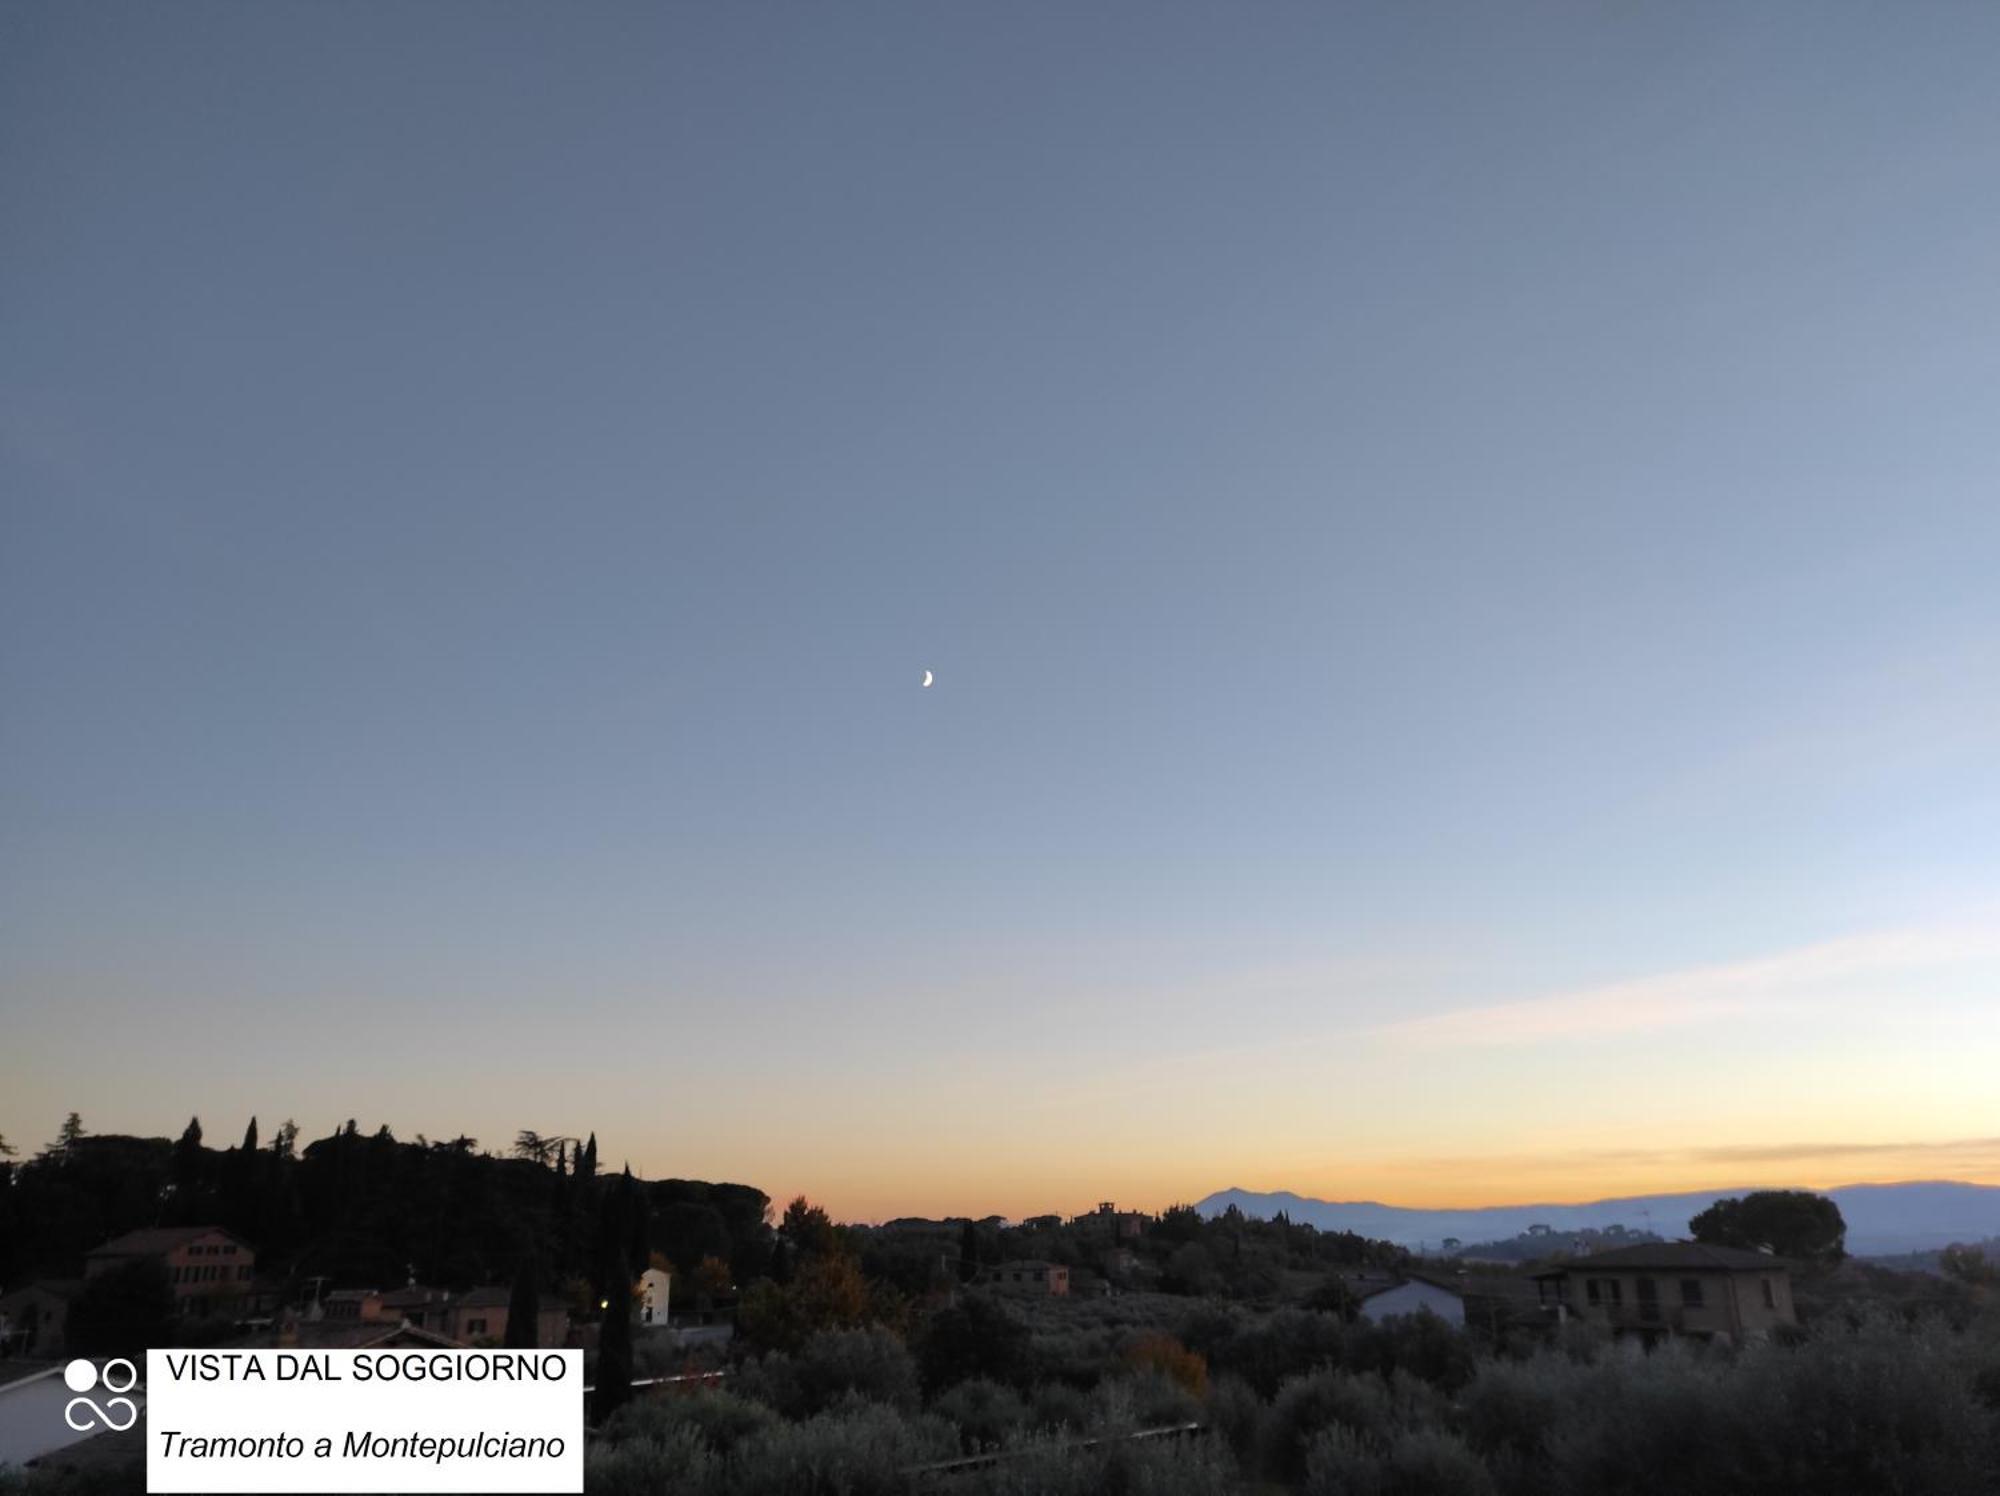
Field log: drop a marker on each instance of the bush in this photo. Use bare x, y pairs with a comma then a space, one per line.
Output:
676, 1461
986, 1413
1164, 1354
974, 1338
834, 1364
1308, 1406
858, 1449
1236, 1414
1289, 1343
720, 1420
1057, 1407
1418, 1462
1153, 1467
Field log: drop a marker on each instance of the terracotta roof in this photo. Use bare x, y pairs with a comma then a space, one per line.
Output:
1670, 1256
416, 1295
489, 1297
152, 1241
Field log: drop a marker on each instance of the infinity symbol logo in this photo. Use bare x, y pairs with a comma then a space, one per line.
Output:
81, 1376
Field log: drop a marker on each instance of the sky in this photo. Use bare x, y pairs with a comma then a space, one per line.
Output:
1457, 545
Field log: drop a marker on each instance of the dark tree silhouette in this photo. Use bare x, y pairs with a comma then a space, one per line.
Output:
1792, 1223
523, 1307
614, 1340
123, 1311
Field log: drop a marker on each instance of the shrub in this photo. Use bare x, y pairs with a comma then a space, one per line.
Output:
1236, 1414
857, 1449
1153, 1467
1288, 1343
1417, 1462
1057, 1407
643, 1466
975, 1338
1308, 1406
720, 1420
986, 1412
1164, 1354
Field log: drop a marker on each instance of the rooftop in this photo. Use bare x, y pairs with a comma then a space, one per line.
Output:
151, 1241
1670, 1256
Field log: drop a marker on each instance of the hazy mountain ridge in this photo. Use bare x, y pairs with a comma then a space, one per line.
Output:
1913, 1216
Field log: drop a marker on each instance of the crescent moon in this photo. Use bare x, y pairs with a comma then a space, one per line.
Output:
927, 680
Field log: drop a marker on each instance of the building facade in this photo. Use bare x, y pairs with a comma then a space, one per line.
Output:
1674, 1288
208, 1269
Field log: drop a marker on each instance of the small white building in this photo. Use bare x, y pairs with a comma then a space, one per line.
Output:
1415, 1296
655, 1288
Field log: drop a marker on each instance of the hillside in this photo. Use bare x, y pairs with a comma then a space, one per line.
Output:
1917, 1216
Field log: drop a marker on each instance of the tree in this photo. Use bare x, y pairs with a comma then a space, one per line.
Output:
250, 1137
974, 1338
535, 1148
72, 1133
809, 1229
286, 1141
1791, 1223
968, 1252
1969, 1265
122, 1312
614, 1340
523, 1307
5, 1150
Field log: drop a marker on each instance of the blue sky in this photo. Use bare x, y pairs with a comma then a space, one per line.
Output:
1412, 512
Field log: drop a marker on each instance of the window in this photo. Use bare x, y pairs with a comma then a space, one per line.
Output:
1649, 1298
475, 1327
243, 1273
1592, 1290
1617, 1287
1770, 1298
1691, 1293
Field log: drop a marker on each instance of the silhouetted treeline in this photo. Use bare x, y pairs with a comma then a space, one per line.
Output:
366, 1209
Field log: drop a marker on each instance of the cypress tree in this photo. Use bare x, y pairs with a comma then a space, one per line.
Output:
614, 1341
250, 1137
638, 1237
523, 1306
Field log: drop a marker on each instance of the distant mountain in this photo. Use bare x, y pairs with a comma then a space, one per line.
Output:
1881, 1218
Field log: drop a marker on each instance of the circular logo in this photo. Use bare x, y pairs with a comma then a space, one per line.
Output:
81, 1376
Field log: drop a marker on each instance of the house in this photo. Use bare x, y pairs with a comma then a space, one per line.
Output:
33, 1317
1029, 1277
479, 1316
1659, 1289
424, 1308
1412, 1294
352, 1306
209, 1269
655, 1297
